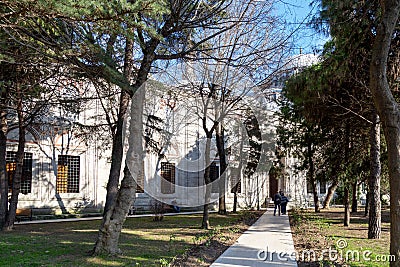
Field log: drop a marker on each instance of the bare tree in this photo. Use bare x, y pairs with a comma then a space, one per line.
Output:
230, 73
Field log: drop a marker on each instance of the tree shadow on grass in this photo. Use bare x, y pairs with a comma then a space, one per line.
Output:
142, 241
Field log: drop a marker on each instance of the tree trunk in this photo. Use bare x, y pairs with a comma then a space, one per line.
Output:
312, 178
219, 136
329, 194
315, 195
234, 210
117, 153
354, 204
239, 171
366, 208
346, 220
118, 142
16, 182
346, 183
205, 222
3, 174
374, 222
388, 110
108, 237
113, 220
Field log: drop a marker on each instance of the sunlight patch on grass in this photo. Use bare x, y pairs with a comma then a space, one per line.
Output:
66, 242
85, 231
103, 262
143, 242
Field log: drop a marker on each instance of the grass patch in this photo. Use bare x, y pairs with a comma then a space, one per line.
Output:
322, 232
143, 241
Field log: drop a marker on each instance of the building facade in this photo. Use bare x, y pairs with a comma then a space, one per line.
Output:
66, 169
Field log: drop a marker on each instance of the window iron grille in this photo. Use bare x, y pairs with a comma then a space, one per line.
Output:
11, 166
167, 178
68, 174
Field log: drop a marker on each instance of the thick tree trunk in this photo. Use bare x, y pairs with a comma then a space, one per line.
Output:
389, 112
329, 194
108, 237
346, 220
219, 136
117, 153
113, 220
118, 142
3, 174
374, 222
16, 182
354, 204
393, 140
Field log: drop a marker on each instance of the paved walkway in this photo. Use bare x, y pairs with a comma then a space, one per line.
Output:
267, 243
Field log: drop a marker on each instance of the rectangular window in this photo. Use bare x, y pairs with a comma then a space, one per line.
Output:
68, 173
322, 187
168, 178
11, 165
214, 175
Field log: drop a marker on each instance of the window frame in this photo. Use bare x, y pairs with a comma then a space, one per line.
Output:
168, 177
69, 166
27, 171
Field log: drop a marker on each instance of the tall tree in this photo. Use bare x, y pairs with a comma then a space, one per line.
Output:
389, 112
183, 32
74, 34
354, 47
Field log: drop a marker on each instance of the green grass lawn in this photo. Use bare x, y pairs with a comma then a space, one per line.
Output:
321, 231
143, 241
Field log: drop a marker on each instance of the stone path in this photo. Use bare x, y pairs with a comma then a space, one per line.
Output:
267, 243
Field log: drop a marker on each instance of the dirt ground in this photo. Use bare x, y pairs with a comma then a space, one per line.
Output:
321, 231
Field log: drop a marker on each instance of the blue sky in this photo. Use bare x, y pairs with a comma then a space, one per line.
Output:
296, 13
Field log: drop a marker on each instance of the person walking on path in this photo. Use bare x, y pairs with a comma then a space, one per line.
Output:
277, 203
284, 201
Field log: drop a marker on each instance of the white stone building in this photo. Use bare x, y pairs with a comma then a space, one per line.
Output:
65, 172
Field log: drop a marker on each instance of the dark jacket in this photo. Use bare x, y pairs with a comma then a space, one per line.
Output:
284, 200
277, 199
